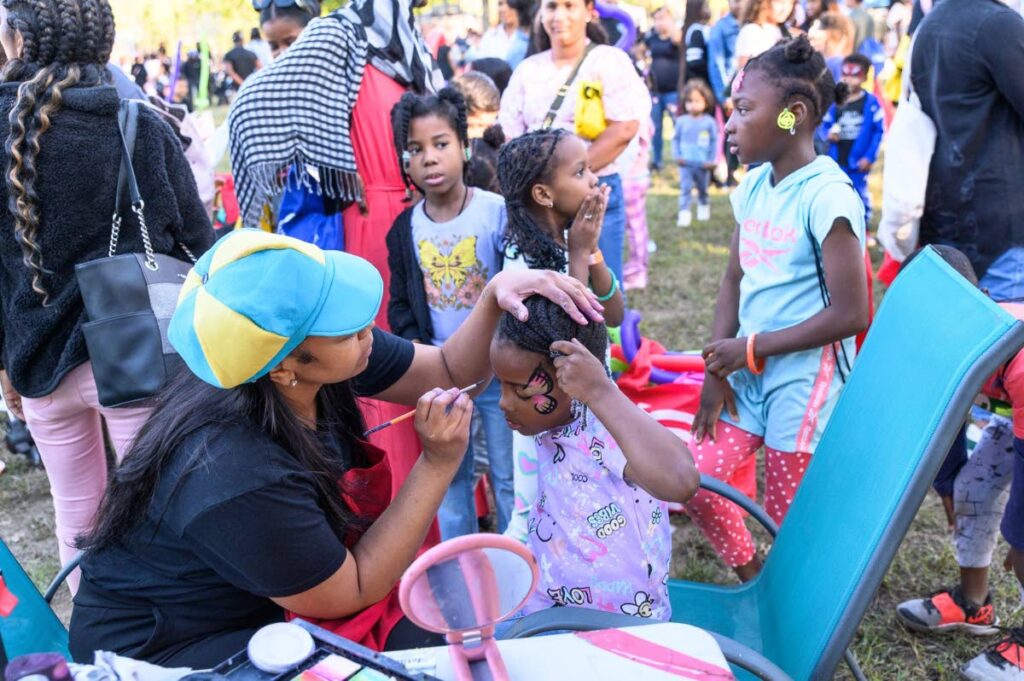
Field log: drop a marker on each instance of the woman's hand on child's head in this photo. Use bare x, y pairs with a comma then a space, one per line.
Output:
715, 395
722, 357
585, 231
578, 373
442, 422
511, 288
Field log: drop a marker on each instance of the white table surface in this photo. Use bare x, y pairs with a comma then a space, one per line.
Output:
562, 657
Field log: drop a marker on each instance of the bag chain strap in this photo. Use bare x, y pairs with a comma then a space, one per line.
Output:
138, 207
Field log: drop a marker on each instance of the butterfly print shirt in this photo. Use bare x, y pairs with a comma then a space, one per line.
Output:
600, 542
458, 258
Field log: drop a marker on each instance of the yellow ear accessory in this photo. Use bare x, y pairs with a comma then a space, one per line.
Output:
787, 121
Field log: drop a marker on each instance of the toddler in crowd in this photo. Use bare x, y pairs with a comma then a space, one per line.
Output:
695, 146
854, 128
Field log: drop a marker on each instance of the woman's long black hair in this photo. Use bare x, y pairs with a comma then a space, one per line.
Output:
188, 405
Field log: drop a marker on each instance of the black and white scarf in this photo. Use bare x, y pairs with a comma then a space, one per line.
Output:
297, 112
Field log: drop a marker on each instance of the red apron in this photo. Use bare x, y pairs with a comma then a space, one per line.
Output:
367, 492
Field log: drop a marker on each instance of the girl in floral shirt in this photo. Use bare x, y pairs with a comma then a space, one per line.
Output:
599, 526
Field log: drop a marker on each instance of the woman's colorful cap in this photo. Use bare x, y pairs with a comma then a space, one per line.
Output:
254, 297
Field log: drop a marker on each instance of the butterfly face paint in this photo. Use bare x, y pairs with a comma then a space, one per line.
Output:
538, 391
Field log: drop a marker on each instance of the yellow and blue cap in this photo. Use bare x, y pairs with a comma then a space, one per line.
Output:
254, 297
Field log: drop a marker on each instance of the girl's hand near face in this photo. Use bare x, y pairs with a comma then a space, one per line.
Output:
578, 373
585, 231
442, 422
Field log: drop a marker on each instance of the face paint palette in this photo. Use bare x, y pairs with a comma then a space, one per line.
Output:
329, 658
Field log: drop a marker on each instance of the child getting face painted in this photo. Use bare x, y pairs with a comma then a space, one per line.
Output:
604, 469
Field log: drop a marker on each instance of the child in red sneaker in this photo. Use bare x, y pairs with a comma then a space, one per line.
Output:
989, 486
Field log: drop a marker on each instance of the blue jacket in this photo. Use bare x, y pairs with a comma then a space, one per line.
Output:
867, 143
722, 54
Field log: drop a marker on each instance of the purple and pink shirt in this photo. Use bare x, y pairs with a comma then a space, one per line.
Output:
600, 541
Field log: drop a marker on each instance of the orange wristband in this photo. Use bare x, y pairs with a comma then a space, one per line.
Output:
596, 258
755, 365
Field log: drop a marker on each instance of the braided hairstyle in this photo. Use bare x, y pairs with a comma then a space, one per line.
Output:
549, 323
796, 69
522, 163
66, 43
448, 104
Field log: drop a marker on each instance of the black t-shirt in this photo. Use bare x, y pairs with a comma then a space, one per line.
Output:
243, 61
849, 122
697, 52
194, 579
664, 63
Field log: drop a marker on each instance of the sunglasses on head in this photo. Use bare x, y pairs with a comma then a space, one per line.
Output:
852, 70
260, 5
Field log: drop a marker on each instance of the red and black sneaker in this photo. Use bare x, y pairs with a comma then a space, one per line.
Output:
1003, 661
946, 611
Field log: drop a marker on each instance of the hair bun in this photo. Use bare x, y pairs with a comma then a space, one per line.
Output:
798, 50
494, 136
842, 92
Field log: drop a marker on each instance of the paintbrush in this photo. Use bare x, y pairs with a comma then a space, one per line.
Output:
409, 415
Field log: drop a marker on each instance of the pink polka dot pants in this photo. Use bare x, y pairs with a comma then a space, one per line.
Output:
720, 520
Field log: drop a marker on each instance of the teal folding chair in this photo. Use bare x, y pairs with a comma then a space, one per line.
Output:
32, 626
934, 342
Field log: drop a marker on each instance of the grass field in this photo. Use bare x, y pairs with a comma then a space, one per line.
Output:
677, 311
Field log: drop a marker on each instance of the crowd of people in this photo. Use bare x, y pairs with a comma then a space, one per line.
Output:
419, 213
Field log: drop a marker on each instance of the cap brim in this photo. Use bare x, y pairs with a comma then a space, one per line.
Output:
353, 298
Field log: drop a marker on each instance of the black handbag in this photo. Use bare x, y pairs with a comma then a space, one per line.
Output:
129, 299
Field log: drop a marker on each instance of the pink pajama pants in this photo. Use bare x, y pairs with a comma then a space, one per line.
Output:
721, 521
635, 270
67, 428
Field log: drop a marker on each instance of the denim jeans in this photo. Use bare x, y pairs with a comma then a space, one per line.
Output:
613, 231
1004, 278
661, 103
457, 515
690, 178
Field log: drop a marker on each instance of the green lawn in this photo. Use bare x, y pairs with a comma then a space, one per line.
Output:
677, 309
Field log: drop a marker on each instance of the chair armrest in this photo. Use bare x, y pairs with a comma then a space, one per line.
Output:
583, 619
51, 590
740, 499
750, 660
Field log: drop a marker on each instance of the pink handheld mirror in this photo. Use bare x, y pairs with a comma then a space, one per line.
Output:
462, 588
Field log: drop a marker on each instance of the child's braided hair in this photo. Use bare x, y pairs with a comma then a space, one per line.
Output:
798, 70
66, 43
549, 323
448, 104
522, 163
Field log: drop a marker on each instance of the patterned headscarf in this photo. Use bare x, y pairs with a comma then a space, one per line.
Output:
297, 112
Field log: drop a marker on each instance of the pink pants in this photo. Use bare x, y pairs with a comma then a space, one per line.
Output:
635, 270
67, 428
721, 521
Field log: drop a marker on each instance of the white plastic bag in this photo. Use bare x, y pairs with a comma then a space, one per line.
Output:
908, 155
